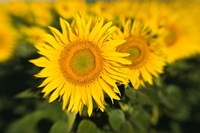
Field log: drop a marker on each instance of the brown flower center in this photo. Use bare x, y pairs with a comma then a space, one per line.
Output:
81, 62
138, 49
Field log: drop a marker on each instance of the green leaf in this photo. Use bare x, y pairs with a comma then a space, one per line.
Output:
28, 123
141, 119
142, 96
127, 128
146, 97
59, 127
175, 127
130, 93
26, 94
174, 94
87, 126
116, 119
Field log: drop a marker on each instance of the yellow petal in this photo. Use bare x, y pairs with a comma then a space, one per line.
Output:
68, 92
113, 54
64, 31
51, 41
77, 99
90, 103
58, 36
87, 30
114, 72
41, 62
71, 101
118, 59
52, 86
108, 90
83, 94
146, 76
95, 29
102, 31
112, 44
71, 36
96, 95
79, 26
110, 81
55, 94
100, 91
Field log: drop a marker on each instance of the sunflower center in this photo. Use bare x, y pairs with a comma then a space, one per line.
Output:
138, 50
81, 62
171, 37
134, 52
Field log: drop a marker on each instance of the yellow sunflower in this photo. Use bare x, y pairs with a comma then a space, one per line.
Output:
7, 39
34, 34
180, 34
181, 37
40, 12
81, 63
146, 52
66, 8
102, 9
18, 9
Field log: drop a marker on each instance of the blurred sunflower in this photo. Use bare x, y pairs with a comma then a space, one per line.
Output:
146, 52
38, 13
67, 9
33, 34
180, 36
41, 12
101, 9
81, 63
7, 39
19, 9
126, 9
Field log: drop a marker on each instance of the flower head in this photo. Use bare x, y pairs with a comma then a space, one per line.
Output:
180, 34
66, 9
146, 52
7, 38
34, 34
81, 63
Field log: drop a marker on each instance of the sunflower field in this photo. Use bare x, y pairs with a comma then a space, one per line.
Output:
99, 66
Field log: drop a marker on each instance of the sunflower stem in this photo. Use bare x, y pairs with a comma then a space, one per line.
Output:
71, 120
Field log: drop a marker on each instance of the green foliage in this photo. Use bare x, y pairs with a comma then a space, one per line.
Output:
116, 119
60, 126
86, 126
29, 122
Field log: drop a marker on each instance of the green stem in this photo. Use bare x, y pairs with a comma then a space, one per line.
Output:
71, 119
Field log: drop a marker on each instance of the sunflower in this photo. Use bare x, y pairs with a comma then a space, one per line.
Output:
81, 63
146, 52
7, 39
34, 34
102, 9
66, 8
8, 36
14, 6
40, 12
180, 34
